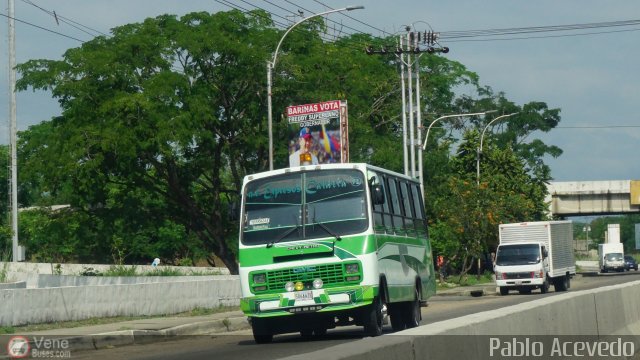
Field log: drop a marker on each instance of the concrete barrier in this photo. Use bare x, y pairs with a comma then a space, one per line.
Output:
29, 306
585, 317
14, 285
46, 280
77, 269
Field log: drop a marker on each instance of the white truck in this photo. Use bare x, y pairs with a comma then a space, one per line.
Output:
533, 255
611, 257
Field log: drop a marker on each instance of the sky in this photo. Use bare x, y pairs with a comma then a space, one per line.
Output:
591, 75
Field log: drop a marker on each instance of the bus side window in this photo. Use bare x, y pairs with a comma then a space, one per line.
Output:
420, 221
374, 182
394, 199
407, 202
386, 210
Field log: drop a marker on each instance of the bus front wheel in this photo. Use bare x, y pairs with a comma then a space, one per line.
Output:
373, 318
261, 333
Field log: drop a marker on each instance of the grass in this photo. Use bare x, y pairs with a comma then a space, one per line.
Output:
4, 270
467, 280
110, 320
121, 270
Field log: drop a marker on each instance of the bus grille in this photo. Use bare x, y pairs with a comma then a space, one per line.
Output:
330, 274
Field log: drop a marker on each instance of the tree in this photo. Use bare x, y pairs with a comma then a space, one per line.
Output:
167, 106
467, 214
161, 121
5, 227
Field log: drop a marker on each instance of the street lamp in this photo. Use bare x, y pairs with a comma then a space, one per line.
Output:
271, 64
587, 229
480, 147
426, 138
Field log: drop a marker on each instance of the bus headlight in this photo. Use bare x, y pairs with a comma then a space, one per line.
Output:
317, 284
259, 278
299, 286
352, 268
288, 286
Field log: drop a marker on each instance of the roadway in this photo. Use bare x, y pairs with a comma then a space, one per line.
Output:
240, 345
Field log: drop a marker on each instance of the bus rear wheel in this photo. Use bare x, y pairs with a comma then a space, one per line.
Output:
412, 313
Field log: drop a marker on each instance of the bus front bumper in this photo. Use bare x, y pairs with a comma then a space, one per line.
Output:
306, 301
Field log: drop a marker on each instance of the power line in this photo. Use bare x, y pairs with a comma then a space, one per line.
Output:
354, 19
599, 127
328, 20
535, 29
546, 36
41, 28
284, 26
67, 21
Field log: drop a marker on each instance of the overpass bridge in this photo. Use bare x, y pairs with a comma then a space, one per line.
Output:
582, 198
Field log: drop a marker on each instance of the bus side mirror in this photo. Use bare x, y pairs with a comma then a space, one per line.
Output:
233, 211
377, 195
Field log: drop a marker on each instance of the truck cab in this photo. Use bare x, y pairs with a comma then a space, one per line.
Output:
611, 257
522, 266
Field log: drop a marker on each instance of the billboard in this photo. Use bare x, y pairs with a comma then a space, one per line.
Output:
318, 133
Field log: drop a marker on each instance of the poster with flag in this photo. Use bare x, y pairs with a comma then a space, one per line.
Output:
318, 133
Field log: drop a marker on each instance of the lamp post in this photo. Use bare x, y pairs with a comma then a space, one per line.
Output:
271, 64
480, 147
586, 229
426, 138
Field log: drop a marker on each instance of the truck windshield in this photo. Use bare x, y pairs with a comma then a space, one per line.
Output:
276, 209
613, 257
518, 254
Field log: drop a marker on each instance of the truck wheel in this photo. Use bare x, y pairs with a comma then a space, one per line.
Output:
561, 283
545, 287
504, 290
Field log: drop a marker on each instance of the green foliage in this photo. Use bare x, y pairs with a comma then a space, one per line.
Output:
4, 270
466, 213
627, 230
121, 270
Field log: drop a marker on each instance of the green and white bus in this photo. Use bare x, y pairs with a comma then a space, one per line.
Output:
331, 245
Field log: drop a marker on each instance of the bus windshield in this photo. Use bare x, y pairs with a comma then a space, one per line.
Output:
276, 209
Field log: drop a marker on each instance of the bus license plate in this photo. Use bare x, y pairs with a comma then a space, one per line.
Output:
518, 282
304, 295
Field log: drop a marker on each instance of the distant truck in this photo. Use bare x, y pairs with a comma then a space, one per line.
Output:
534, 255
611, 257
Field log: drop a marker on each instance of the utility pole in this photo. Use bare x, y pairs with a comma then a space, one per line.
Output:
16, 251
416, 43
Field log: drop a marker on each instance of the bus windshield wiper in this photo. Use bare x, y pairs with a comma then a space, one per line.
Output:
324, 227
284, 235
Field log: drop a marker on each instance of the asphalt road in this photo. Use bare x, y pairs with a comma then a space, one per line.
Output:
240, 345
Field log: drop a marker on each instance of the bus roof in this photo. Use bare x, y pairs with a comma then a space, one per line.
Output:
358, 166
